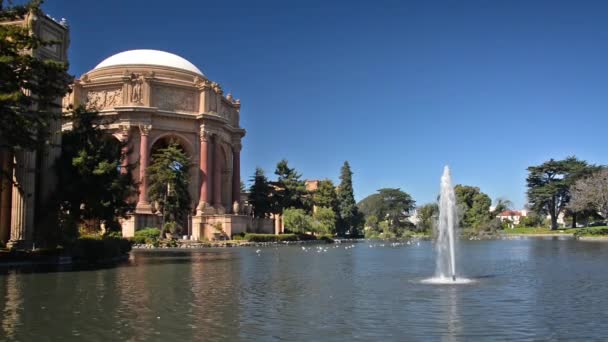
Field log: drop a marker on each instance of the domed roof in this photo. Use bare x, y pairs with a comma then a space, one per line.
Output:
149, 57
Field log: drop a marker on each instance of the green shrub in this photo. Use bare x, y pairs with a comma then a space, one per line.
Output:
278, 238
147, 236
239, 236
92, 248
591, 231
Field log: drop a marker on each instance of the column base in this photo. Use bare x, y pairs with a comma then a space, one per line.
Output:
204, 208
19, 244
143, 208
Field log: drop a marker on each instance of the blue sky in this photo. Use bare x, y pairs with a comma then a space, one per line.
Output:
397, 88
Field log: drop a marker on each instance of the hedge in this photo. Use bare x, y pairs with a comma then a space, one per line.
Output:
95, 249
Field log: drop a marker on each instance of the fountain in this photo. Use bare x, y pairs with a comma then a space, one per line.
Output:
445, 272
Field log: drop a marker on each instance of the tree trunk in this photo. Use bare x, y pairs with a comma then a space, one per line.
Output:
573, 220
553, 214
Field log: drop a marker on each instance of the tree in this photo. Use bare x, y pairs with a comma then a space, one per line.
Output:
591, 193
297, 221
93, 188
501, 205
427, 216
549, 185
259, 194
30, 86
290, 189
474, 207
391, 205
325, 195
325, 220
168, 183
350, 221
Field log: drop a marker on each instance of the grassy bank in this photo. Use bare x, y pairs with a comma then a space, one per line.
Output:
576, 232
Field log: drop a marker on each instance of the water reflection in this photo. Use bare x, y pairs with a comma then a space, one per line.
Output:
523, 290
12, 305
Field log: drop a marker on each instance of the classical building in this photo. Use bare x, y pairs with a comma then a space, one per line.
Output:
24, 200
155, 97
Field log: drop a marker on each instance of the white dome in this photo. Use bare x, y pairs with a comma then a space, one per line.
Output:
149, 57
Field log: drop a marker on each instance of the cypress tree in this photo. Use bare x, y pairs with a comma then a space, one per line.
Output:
349, 217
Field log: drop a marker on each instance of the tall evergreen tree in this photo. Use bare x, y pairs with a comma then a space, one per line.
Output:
290, 189
93, 190
168, 183
259, 194
350, 221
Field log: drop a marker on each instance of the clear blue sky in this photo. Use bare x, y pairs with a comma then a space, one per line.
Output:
397, 88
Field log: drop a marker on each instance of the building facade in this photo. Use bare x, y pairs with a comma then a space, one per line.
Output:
156, 97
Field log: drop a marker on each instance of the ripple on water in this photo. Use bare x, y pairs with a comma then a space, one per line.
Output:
448, 281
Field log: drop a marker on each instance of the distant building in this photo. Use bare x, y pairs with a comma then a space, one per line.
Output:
514, 217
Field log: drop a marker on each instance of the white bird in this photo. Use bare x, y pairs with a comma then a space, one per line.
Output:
258, 251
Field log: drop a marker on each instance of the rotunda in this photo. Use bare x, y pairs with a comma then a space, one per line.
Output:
154, 96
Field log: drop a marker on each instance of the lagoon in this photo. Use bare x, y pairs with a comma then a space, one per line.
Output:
528, 289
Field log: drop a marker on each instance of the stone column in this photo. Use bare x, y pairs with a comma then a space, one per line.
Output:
124, 138
22, 216
236, 176
142, 203
6, 188
217, 175
205, 190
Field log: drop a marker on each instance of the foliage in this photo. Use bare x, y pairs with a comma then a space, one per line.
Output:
350, 221
591, 193
594, 231
290, 190
390, 207
297, 221
549, 185
259, 194
279, 238
427, 217
30, 86
93, 189
501, 205
371, 222
326, 196
324, 220
147, 236
474, 207
531, 220
96, 249
168, 183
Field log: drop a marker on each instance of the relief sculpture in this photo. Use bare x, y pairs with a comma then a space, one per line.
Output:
103, 99
174, 99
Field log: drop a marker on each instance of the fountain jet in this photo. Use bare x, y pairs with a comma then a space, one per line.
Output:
446, 261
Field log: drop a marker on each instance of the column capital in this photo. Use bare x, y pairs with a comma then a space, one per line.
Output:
145, 129
236, 147
124, 131
204, 135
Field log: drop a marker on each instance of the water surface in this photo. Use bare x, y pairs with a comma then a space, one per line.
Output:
534, 289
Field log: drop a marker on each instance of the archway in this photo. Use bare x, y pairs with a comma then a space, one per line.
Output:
172, 191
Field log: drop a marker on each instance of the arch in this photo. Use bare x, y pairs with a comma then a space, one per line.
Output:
183, 141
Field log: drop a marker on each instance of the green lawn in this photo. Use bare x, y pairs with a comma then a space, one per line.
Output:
591, 231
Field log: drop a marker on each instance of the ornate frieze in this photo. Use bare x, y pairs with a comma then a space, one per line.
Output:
103, 99
173, 99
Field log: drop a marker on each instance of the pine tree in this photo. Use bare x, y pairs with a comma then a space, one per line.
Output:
290, 191
93, 190
259, 194
350, 220
168, 184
